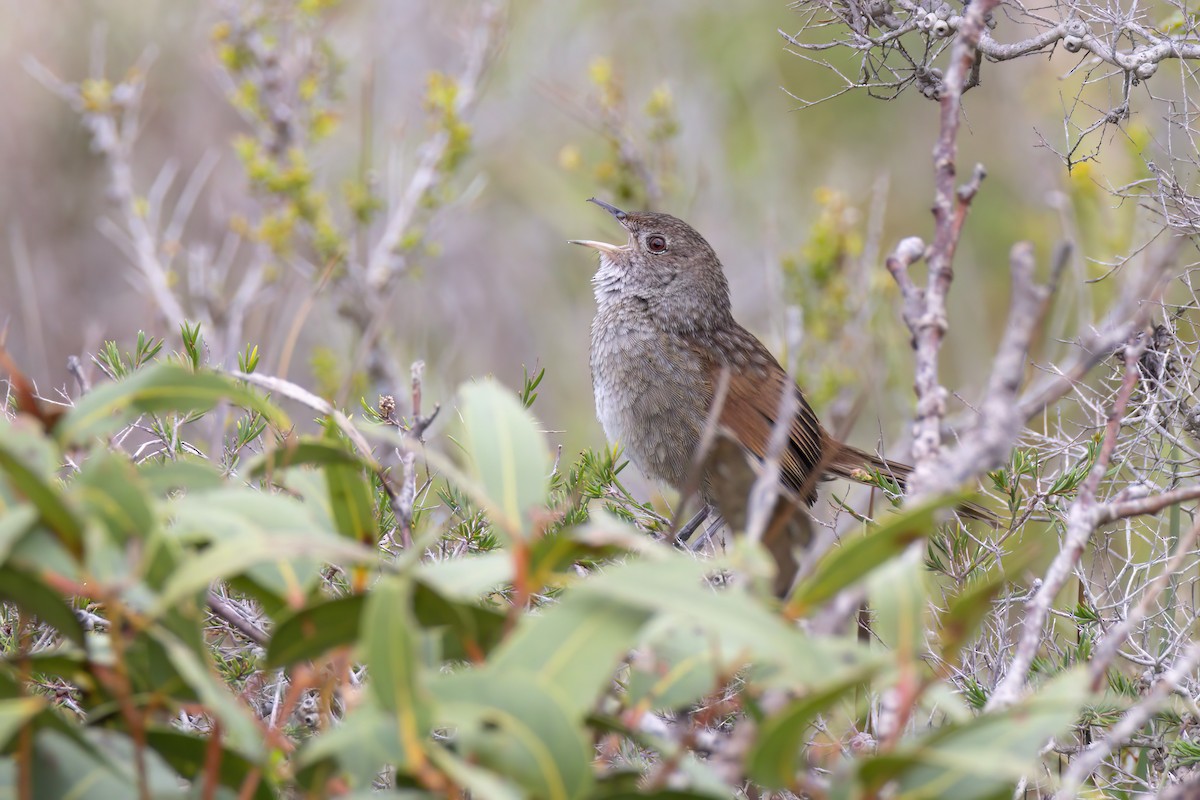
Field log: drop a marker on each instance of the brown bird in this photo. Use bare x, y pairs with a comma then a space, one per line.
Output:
662, 337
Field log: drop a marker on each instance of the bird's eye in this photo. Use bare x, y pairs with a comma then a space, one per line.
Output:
656, 243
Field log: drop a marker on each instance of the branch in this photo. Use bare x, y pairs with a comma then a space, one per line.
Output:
1082, 519
324, 407
1110, 512
1000, 421
386, 259
1135, 720
114, 125
225, 610
1111, 644
925, 312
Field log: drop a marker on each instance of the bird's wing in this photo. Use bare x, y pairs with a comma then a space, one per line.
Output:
752, 405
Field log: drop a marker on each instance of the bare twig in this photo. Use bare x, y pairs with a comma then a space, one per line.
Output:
1081, 522
387, 259
1135, 720
225, 610
114, 126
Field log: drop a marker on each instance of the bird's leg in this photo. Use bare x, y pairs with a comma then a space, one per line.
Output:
687, 530
704, 538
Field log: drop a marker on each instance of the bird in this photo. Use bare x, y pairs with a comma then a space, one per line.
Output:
664, 345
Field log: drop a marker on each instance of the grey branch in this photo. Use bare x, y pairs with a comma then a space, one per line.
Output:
1135, 720
386, 259
1081, 523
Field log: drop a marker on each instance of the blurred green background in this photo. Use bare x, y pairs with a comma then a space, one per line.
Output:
501, 290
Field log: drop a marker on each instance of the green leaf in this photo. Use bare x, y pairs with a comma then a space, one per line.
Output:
967, 610
16, 713
109, 489
21, 451
469, 577
156, 389
298, 451
859, 555
362, 744
512, 723
742, 630
507, 454
352, 501
188, 755
34, 597
470, 631
986, 756
276, 541
682, 669
184, 473
14, 525
573, 646
232, 558
241, 729
390, 641
900, 604
64, 767
478, 781
551, 557
315, 630
778, 751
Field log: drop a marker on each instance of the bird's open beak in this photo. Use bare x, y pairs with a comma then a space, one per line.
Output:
610, 208
603, 247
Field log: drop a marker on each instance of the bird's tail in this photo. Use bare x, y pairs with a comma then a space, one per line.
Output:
846, 461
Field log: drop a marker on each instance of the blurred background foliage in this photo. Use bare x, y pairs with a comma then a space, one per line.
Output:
798, 203
366, 185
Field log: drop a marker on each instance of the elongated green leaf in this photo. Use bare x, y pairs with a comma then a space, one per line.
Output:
182, 474
469, 577
967, 610
741, 629
110, 489
241, 729
99, 769
232, 558
277, 543
352, 501
14, 524
299, 451
986, 756
859, 555
552, 557
189, 755
573, 646
478, 781
361, 745
470, 631
315, 630
397, 680
900, 604
157, 389
778, 751
682, 669
508, 454
509, 722
33, 596
20, 454
15, 714
25, 441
